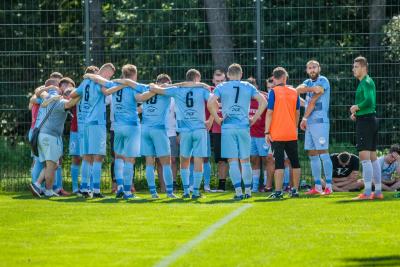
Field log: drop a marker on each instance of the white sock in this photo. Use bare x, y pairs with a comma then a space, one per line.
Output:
265, 178
238, 191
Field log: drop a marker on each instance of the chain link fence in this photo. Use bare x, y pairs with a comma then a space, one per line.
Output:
39, 37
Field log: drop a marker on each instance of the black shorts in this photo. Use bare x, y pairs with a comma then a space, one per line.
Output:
290, 147
216, 144
366, 132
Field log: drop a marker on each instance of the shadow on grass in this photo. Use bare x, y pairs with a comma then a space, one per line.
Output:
349, 201
391, 260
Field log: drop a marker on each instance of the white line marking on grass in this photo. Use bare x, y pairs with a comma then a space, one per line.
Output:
185, 248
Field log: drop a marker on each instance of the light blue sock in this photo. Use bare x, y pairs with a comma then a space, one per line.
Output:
85, 175
96, 173
256, 179
75, 176
316, 171
367, 174
234, 174
207, 173
377, 177
128, 176
247, 176
185, 180
198, 176
328, 169
191, 178
151, 182
168, 178
286, 177
119, 173
58, 181
91, 187
36, 169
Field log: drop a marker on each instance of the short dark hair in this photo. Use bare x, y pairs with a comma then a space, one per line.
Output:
163, 78
92, 70
395, 148
192, 74
218, 72
344, 156
67, 80
252, 81
56, 75
279, 72
362, 61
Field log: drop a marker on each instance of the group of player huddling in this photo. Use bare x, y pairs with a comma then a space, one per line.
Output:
228, 105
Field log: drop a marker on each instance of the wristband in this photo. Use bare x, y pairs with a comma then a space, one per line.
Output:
266, 133
304, 119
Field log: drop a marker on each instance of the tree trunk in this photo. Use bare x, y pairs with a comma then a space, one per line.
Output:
221, 42
377, 17
96, 16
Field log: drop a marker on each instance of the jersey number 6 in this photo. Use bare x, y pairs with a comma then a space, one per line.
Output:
189, 99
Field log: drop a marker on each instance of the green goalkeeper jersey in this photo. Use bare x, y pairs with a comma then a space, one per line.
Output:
366, 96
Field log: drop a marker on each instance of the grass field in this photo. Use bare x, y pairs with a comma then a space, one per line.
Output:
322, 231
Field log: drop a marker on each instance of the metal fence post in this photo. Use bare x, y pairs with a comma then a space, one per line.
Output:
258, 41
87, 33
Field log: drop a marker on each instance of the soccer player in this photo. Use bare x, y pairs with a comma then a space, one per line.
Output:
281, 130
154, 138
49, 140
259, 147
190, 103
94, 132
218, 78
345, 172
315, 123
126, 124
390, 164
364, 114
235, 97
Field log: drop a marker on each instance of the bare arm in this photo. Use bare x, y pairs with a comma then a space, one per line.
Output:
192, 84
212, 105
127, 82
262, 103
71, 103
96, 78
145, 96
157, 89
309, 110
50, 100
112, 89
39, 90
302, 89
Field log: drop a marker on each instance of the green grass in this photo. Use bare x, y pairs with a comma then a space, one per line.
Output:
324, 231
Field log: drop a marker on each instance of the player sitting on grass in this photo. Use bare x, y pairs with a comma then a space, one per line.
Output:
345, 172
235, 97
390, 164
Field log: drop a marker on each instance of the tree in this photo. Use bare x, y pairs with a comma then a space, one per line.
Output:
377, 17
218, 25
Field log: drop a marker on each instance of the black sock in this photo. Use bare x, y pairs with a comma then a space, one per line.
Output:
221, 184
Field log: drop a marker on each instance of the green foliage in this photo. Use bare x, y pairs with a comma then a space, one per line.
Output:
392, 39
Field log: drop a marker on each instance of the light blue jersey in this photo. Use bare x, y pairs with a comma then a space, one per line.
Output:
235, 98
125, 105
83, 106
97, 102
191, 106
42, 111
155, 111
320, 114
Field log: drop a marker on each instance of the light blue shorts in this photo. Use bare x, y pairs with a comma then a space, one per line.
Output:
127, 140
235, 143
95, 140
154, 142
317, 136
194, 143
259, 147
50, 147
74, 144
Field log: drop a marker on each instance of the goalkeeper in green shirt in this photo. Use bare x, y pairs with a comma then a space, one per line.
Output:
364, 114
